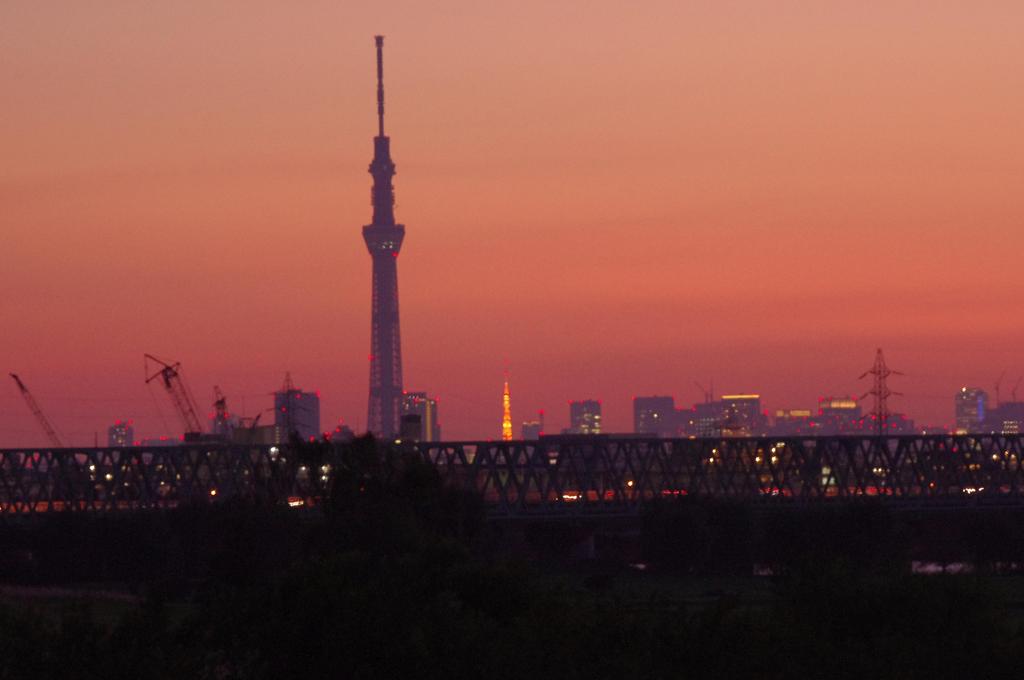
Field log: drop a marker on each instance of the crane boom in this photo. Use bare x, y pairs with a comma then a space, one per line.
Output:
51, 434
184, 403
999, 383
709, 395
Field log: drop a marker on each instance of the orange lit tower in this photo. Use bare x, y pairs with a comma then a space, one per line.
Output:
506, 413
384, 240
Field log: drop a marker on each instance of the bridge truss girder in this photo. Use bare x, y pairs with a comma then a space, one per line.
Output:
579, 477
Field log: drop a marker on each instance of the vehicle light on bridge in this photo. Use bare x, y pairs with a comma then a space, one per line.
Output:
295, 502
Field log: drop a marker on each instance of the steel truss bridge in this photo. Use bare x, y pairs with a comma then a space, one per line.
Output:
578, 476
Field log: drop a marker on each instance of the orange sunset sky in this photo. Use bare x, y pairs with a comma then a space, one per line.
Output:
616, 198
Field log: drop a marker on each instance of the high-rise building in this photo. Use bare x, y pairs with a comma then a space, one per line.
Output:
585, 416
425, 407
1005, 418
533, 429
793, 421
742, 415
733, 415
705, 419
654, 415
120, 434
970, 405
530, 430
839, 415
383, 238
411, 427
296, 412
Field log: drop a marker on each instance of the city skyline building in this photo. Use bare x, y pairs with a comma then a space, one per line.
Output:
970, 405
296, 412
585, 416
121, 434
792, 421
1005, 418
533, 429
703, 420
383, 238
530, 430
425, 406
742, 415
839, 415
655, 415
410, 427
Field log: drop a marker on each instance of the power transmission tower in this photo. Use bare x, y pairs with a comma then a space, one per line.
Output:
880, 391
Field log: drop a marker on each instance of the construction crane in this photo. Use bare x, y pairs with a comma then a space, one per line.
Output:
709, 395
221, 417
999, 383
184, 403
247, 428
51, 434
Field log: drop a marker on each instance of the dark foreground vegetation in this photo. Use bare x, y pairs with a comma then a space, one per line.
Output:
400, 577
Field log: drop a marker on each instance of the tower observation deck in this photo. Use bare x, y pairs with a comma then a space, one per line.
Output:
384, 241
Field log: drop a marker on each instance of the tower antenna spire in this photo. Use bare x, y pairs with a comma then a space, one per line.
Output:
380, 84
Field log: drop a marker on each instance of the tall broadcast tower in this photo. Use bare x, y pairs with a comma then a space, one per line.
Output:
384, 239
